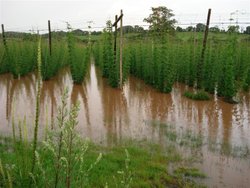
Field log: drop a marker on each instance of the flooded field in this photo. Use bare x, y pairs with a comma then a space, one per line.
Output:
217, 133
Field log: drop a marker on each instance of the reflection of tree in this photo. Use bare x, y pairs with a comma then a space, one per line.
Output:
115, 110
52, 90
48, 91
80, 90
5, 83
157, 106
27, 84
160, 107
226, 115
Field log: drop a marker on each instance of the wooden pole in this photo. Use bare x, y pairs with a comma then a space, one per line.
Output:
201, 62
121, 51
116, 17
4, 38
50, 47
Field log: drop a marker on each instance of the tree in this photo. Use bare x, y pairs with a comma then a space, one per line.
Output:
138, 29
247, 30
200, 27
190, 29
161, 20
126, 29
179, 29
233, 29
214, 29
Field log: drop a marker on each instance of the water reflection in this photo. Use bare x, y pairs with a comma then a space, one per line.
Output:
126, 113
109, 115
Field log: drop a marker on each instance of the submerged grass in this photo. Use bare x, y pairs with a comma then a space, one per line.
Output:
189, 172
199, 95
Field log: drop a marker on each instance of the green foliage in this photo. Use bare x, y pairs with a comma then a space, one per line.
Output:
190, 172
199, 95
4, 68
161, 20
104, 58
247, 31
233, 29
200, 27
246, 84
19, 58
54, 62
78, 58
159, 59
226, 84
167, 68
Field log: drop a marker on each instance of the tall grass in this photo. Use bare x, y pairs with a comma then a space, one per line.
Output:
39, 78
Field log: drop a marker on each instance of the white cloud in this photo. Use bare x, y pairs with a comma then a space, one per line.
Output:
23, 14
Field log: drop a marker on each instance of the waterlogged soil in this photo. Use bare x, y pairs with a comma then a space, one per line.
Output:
215, 134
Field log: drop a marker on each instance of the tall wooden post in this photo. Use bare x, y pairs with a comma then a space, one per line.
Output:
201, 62
116, 17
3, 35
121, 50
50, 48
115, 25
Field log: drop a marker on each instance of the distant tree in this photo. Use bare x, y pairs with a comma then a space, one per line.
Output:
96, 33
127, 29
247, 30
179, 29
215, 29
223, 30
200, 27
190, 29
79, 32
138, 29
161, 20
131, 29
233, 29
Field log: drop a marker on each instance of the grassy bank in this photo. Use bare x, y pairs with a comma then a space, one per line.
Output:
131, 164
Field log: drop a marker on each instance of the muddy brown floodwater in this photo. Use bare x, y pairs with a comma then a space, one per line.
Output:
109, 115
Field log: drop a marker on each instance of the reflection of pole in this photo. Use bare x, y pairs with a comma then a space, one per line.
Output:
121, 51
201, 62
52, 112
8, 107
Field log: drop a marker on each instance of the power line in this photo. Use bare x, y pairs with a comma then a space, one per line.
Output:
102, 27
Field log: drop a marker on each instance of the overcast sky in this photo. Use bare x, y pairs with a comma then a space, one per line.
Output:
21, 15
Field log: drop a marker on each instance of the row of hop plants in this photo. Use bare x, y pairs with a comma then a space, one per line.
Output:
52, 63
151, 59
164, 60
104, 56
18, 57
103, 52
78, 57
